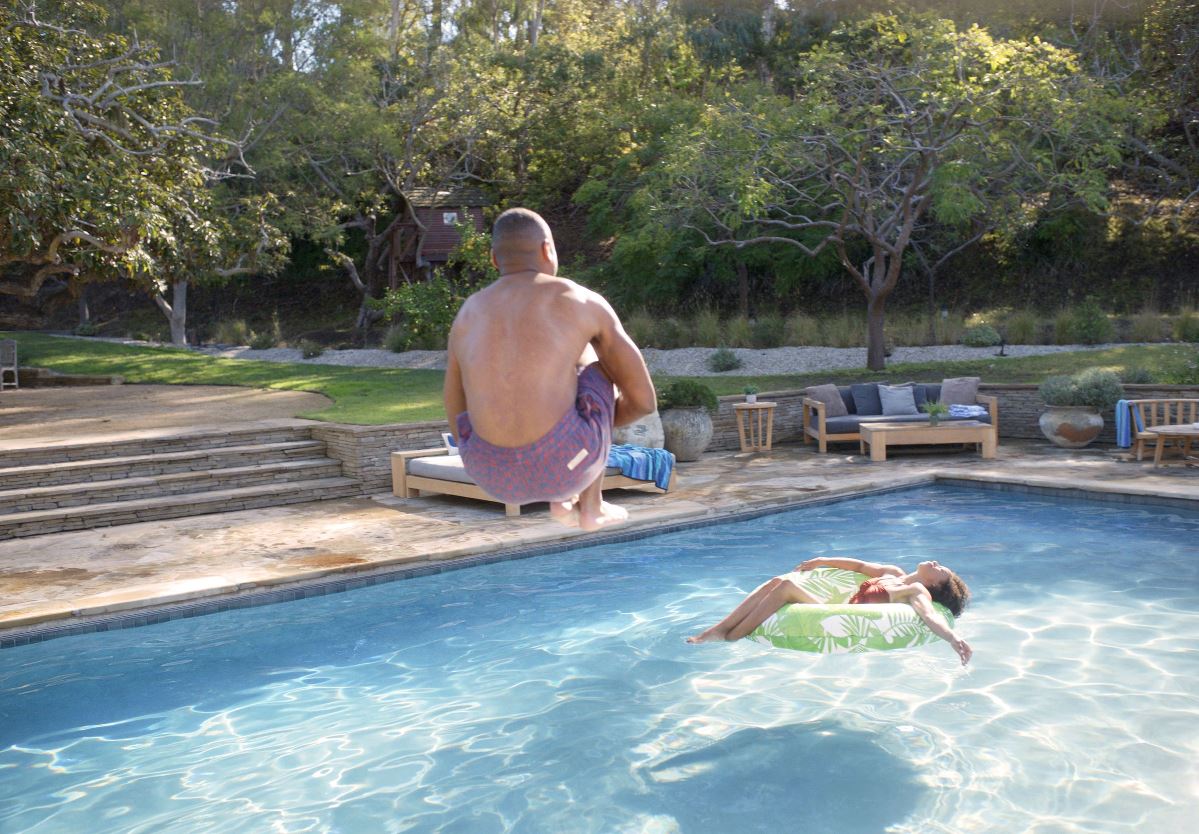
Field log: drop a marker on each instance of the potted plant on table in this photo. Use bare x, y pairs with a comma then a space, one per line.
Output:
686, 407
751, 394
1075, 403
935, 409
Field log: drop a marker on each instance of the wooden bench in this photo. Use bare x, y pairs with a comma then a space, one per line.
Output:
405, 484
1145, 414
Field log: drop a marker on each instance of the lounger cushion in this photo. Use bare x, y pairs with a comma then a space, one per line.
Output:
851, 423
449, 468
866, 399
960, 390
834, 405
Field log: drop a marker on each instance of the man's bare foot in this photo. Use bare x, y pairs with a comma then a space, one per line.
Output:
566, 512
608, 515
705, 637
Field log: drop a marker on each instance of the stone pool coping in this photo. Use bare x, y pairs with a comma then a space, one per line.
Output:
206, 564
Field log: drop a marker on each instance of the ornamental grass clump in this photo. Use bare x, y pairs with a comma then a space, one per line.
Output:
722, 359
981, 335
1095, 388
686, 393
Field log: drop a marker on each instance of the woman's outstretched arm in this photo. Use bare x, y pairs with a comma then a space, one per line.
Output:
856, 565
922, 603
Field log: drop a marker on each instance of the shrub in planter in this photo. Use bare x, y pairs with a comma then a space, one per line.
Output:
686, 409
1075, 403
981, 335
722, 359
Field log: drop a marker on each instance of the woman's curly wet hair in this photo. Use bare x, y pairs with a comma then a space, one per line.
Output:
952, 593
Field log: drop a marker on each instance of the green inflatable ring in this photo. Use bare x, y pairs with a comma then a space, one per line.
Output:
838, 627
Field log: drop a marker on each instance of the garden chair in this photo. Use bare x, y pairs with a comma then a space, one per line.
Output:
8, 364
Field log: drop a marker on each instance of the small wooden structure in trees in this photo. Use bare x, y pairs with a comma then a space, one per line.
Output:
429, 230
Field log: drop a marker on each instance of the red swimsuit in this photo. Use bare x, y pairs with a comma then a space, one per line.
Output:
870, 591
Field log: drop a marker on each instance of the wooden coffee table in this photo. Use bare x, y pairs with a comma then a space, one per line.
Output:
1183, 436
878, 436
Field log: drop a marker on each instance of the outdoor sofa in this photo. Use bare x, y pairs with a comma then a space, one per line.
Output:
436, 472
863, 403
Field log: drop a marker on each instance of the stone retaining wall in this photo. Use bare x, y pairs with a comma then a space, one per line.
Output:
365, 451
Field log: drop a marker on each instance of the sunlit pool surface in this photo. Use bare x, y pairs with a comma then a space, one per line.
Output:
556, 694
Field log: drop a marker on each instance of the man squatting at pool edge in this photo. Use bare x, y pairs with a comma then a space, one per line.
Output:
930, 582
530, 368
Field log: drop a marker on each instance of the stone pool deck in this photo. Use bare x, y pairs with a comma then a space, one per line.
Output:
78, 576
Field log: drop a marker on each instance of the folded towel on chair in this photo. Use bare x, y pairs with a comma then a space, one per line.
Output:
642, 463
1124, 423
967, 411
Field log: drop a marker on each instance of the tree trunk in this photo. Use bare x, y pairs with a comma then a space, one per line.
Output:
175, 311
85, 313
876, 339
743, 288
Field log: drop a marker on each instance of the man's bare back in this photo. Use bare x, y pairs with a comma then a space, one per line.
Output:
512, 370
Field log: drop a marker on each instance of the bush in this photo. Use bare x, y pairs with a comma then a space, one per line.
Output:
640, 327
1137, 376
1023, 328
310, 349
739, 332
686, 393
425, 310
1186, 327
722, 359
1087, 324
981, 335
1093, 388
396, 338
671, 333
1146, 326
767, 331
232, 332
707, 329
86, 328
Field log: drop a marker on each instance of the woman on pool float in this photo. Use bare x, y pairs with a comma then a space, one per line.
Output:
930, 582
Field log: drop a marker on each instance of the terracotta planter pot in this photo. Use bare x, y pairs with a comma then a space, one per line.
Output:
1071, 427
687, 432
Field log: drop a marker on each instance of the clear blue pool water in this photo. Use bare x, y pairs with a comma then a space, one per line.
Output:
556, 694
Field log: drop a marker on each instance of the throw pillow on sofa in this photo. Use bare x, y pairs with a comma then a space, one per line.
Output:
897, 399
960, 390
866, 399
834, 406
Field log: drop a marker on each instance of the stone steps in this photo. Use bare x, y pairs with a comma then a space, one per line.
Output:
16, 525
135, 466
159, 474
173, 483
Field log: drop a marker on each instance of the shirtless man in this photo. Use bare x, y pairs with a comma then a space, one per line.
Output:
529, 380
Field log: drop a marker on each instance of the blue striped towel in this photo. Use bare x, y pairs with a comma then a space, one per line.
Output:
642, 464
1124, 424
967, 411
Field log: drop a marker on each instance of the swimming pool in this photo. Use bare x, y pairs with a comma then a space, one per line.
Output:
556, 694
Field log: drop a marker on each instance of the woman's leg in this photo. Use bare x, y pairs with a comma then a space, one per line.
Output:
762, 597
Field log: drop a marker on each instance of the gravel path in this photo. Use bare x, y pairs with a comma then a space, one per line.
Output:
680, 362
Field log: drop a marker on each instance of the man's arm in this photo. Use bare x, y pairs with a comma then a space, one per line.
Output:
453, 394
873, 569
622, 362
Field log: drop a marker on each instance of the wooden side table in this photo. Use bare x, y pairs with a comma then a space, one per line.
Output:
755, 425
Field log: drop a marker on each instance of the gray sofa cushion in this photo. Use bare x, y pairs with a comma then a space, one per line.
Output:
960, 390
898, 400
866, 399
850, 423
834, 405
449, 468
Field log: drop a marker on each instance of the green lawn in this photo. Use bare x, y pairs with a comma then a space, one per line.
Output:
371, 396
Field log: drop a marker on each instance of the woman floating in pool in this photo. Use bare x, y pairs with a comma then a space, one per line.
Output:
930, 582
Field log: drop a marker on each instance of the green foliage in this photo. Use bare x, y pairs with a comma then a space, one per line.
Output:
722, 359
935, 409
269, 336
981, 335
1087, 324
801, 331
471, 257
310, 349
739, 332
232, 332
1138, 376
686, 393
750, 389
1185, 372
1023, 327
86, 329
1186, 327
707, 328
640, 327
1097, 388
423, 312
1146, 326
768, 330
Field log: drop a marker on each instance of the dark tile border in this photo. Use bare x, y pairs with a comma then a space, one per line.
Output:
323, 587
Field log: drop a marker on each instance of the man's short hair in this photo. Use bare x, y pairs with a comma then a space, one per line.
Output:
519, 230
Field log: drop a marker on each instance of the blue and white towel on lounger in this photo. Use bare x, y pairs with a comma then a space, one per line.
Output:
1124, 424
967, 411
642, 463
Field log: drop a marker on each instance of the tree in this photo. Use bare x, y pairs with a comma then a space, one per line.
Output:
897, 121
104, 171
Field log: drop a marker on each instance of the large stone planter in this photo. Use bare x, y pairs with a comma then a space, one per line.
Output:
1071, 427
687, 432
